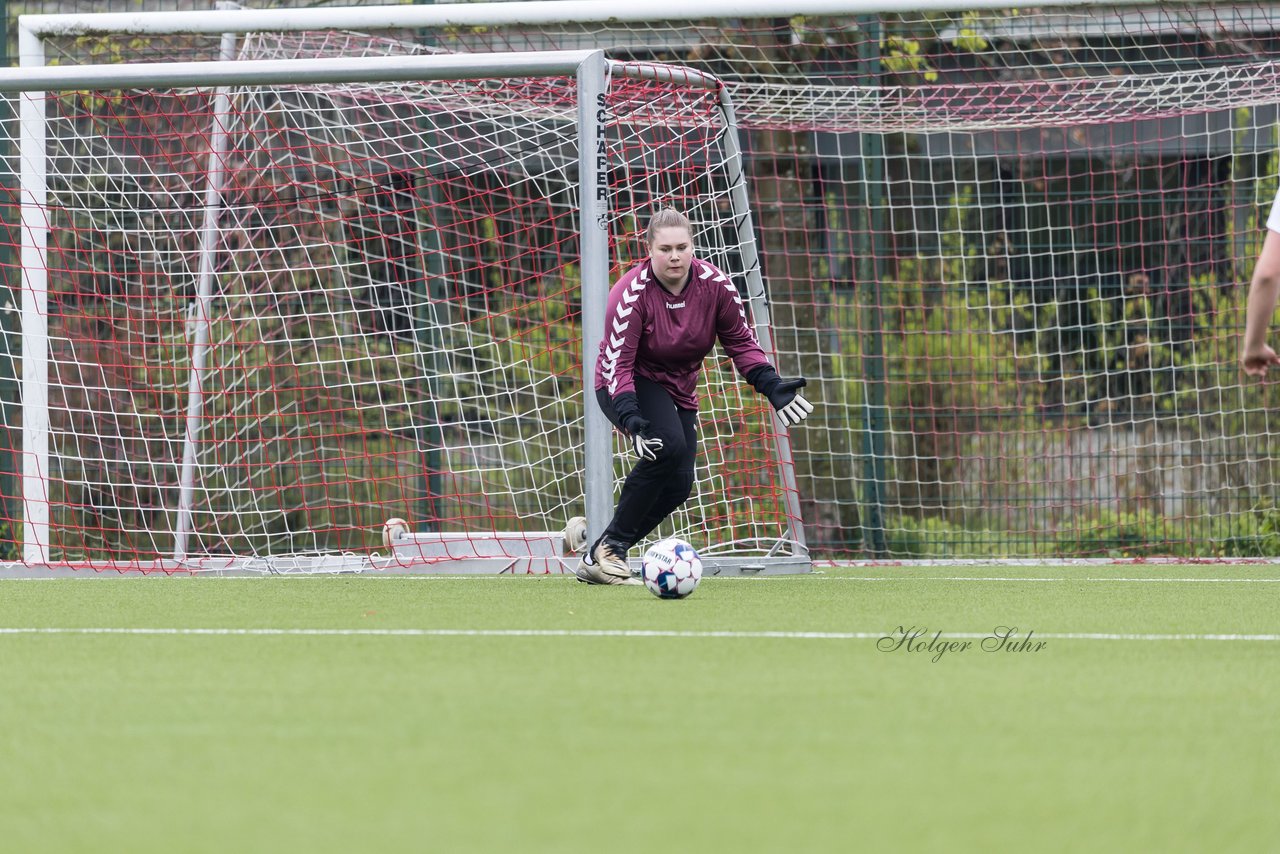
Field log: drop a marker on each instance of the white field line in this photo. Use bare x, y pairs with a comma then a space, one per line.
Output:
612, 633
1067, 580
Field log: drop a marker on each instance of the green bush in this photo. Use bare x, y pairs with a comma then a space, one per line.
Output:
1253, 534
931, 537
1114, 534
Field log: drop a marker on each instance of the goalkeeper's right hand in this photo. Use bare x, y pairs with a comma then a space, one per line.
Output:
643, 445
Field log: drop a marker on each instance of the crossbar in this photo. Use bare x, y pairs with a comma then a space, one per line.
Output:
379, 69
366, 18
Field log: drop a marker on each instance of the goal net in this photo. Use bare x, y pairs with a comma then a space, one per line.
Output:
280, 315
1008, 247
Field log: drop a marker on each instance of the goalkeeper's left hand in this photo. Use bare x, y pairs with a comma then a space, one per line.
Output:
791, 405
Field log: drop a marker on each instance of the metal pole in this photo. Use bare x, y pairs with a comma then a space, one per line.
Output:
872, 165
9, 401
535, 13
432, 316
431, 320
200, 320
593, 214
33, 196
289, 72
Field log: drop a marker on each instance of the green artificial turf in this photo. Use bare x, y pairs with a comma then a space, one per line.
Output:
758, 715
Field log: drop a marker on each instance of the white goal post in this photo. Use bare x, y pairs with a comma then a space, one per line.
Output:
596, 152
531, 13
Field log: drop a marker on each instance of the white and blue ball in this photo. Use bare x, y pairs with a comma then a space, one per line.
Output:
671, 569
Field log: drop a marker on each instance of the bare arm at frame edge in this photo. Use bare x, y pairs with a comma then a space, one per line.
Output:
1256, 356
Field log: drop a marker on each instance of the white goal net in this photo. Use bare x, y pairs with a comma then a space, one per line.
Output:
280, 314
1008, 247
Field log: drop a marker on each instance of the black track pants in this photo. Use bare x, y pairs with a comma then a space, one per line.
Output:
654, 488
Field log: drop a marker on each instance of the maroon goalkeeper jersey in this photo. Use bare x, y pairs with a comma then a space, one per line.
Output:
664, 338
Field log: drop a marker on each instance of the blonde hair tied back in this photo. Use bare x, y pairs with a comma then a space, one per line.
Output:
666, 217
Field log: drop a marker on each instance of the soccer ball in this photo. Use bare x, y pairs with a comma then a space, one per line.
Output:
392, 530
672, 569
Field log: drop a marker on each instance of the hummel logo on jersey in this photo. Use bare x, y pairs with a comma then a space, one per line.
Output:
675, 305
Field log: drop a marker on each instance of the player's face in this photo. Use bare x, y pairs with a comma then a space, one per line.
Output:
671, 251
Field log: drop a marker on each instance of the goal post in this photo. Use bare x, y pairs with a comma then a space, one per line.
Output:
269, 305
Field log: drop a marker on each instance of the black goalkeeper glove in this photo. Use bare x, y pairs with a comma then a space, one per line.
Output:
643, 444
783, 395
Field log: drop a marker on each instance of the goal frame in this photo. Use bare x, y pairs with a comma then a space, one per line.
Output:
531, 12
416, 553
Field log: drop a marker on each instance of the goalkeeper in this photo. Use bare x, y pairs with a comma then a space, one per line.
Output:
1256, 355
662, 319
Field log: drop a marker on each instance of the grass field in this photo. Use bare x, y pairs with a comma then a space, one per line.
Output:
354, 714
